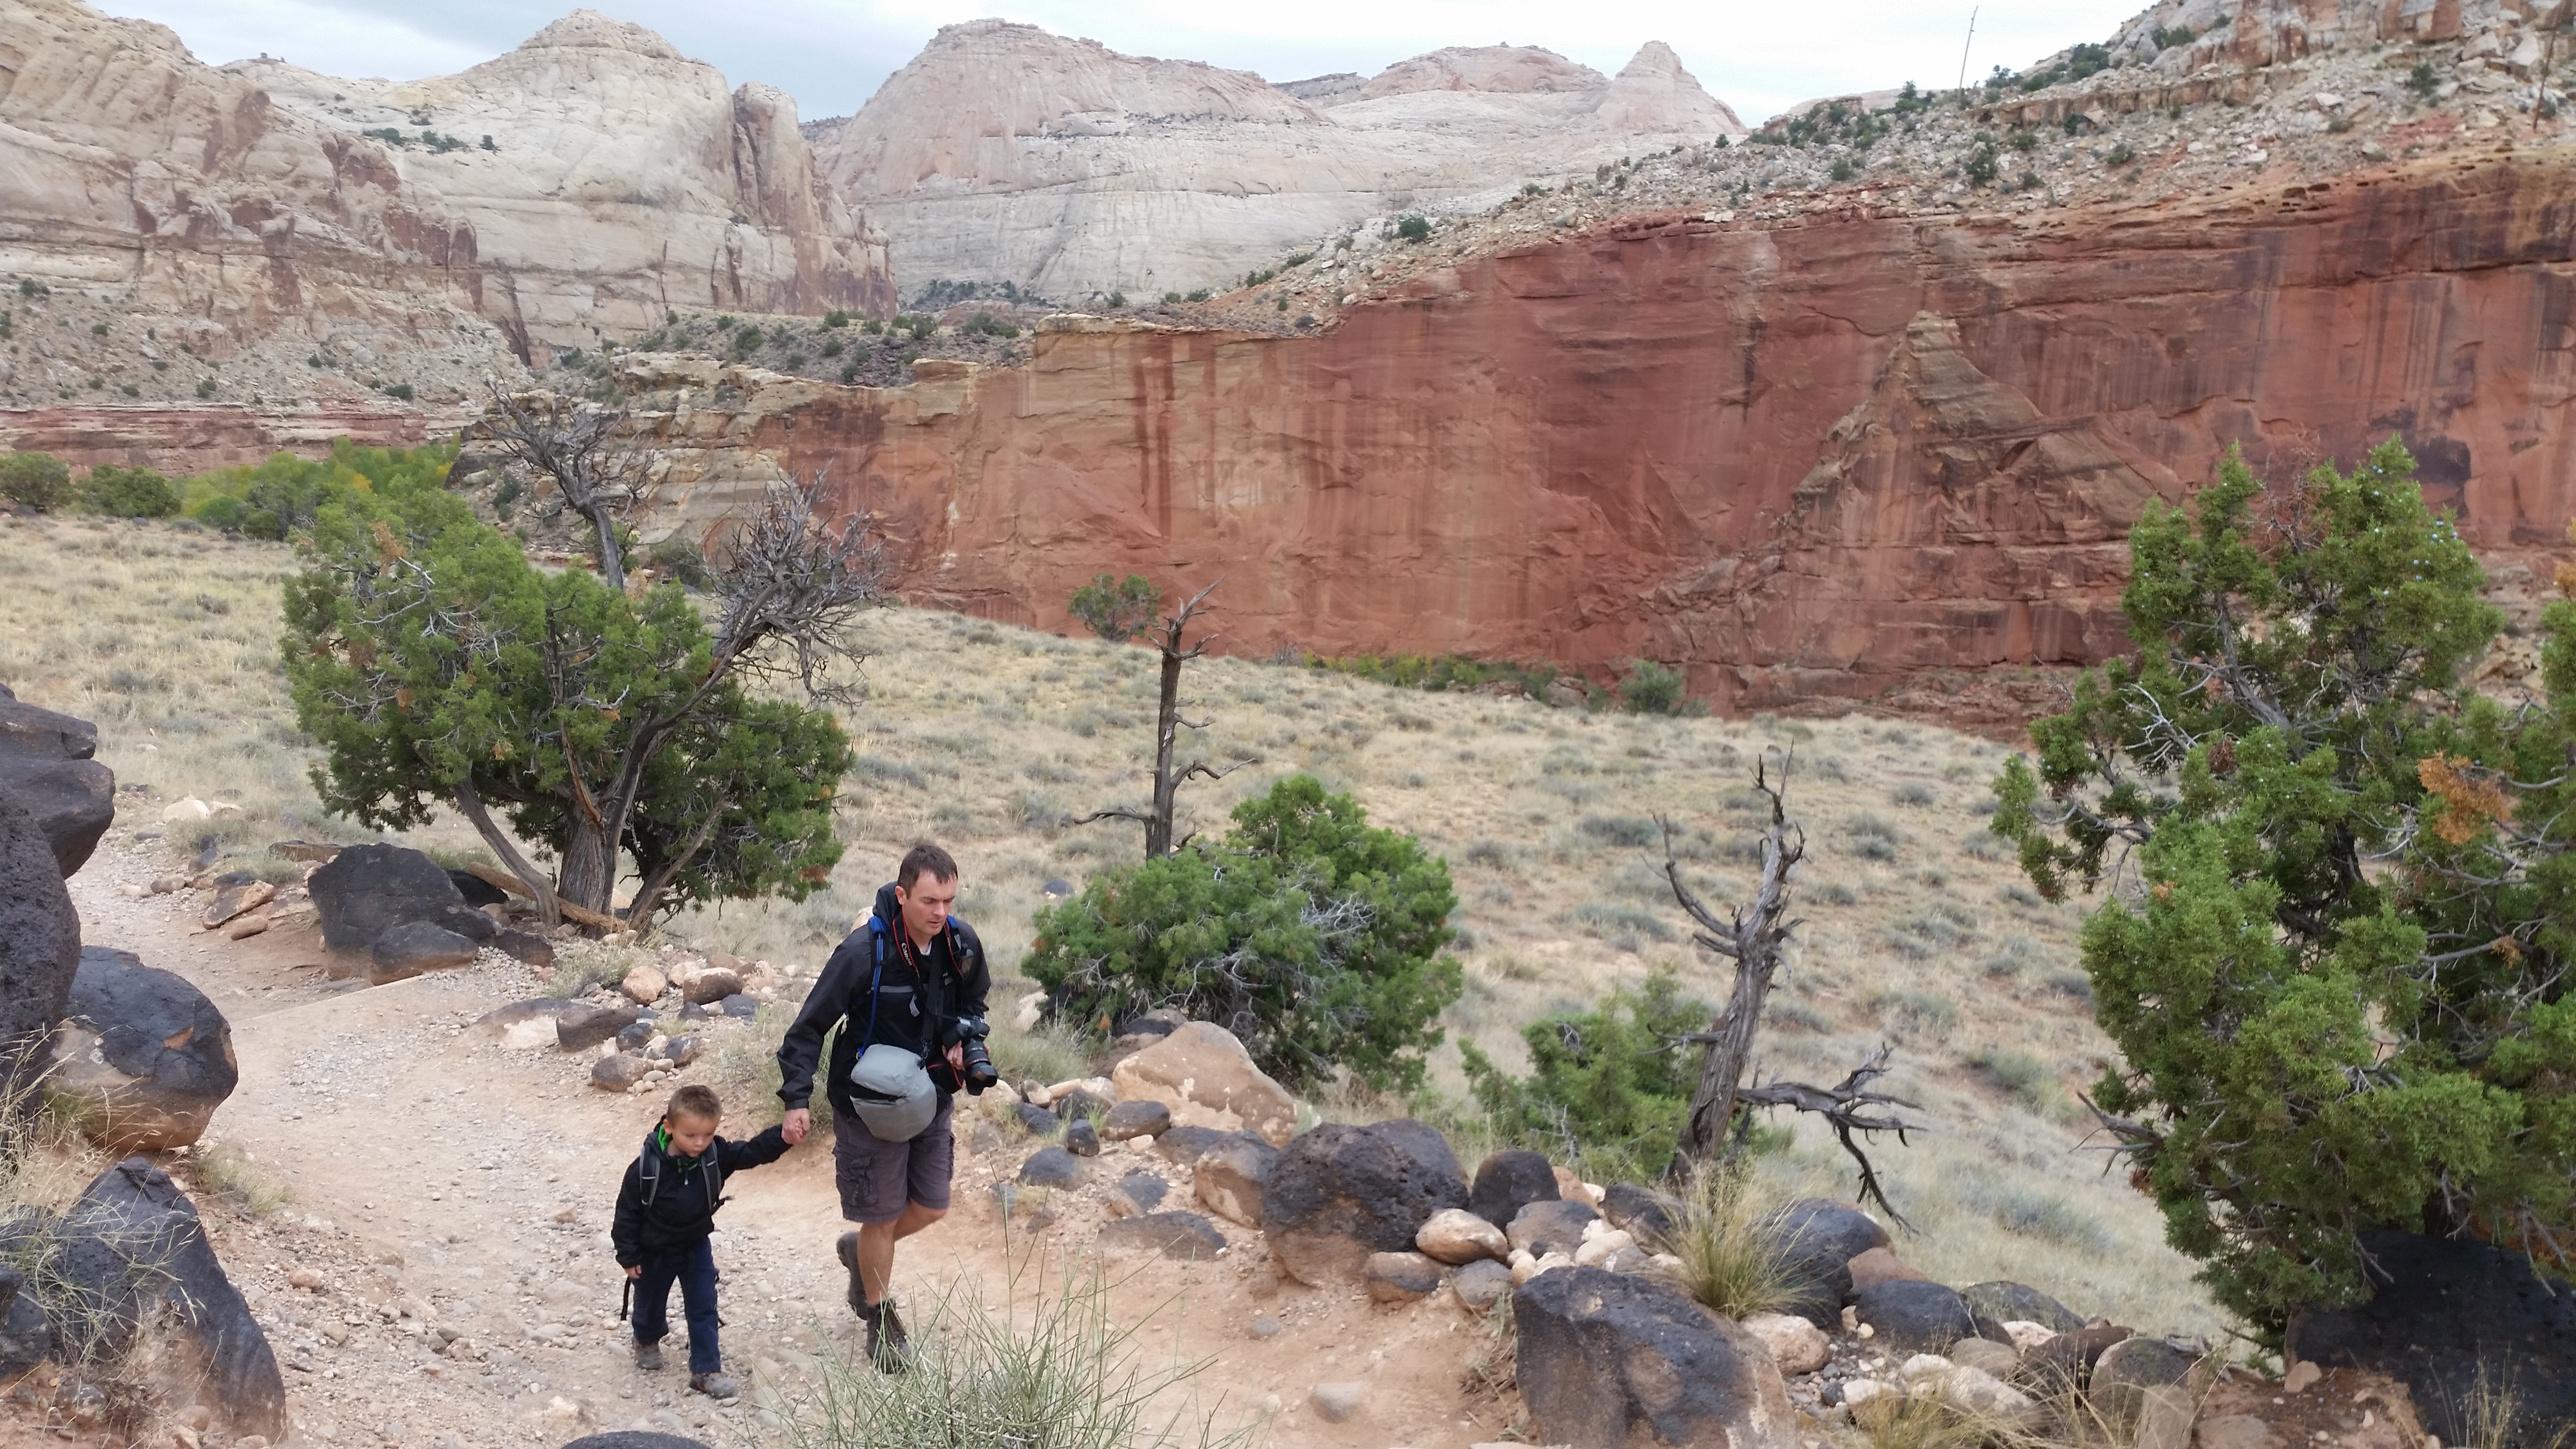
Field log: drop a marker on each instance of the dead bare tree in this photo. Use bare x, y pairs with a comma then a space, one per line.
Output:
1176, 652
1753, 937
586, 451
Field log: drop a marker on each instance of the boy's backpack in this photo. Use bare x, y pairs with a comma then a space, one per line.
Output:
648, 1172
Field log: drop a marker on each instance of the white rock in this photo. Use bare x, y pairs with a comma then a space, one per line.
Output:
1596, 1250
535, 1034
1796, 1346
1455, 1236
1924, 1366
1857, 1392
2026, 1335
1335, 1402
1980, 1392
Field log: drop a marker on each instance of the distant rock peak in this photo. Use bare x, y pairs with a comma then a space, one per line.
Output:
590, 30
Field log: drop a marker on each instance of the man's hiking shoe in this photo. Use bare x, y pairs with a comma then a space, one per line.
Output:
648, 1356
889, 1347
848, 1251
715, 1386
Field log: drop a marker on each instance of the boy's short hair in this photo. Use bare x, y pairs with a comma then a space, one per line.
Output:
697, 1102
925, 859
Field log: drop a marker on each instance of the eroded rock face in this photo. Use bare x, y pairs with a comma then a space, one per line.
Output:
1004, 153
144, 1055
39, 946
1615, 1359
1844, 459
131, 1247
47, 765
622, 177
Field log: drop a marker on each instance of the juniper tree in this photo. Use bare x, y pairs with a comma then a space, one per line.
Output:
438, 668
2331, 953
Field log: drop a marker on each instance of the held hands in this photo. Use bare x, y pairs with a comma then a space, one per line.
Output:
634, 1270
795, 1125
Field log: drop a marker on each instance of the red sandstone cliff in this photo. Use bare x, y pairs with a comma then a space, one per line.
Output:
1821, 460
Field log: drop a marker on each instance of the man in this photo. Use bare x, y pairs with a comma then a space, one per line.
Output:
902, 980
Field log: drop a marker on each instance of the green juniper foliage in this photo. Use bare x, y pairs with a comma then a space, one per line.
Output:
1605, 1084
2333, 956
437, 667
1117, 609
1310, 934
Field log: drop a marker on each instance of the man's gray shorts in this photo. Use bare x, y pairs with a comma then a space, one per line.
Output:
877, 1177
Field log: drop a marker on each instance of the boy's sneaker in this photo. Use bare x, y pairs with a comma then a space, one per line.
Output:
889, 1347
648, 1356
715, 1385
847, 1249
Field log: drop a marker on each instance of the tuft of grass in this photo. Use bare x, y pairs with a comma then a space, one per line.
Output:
744, 1070
1046, 1055
586, 964
1733, 1258
232, 1172
1051, 1366
2033, 1213
2492, 1417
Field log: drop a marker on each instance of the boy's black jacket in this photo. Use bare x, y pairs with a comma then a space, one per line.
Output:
841, 996
681, 1212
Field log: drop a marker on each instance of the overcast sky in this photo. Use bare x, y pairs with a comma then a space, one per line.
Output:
1757, 55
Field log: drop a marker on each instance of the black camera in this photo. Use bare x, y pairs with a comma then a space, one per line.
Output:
968, 1032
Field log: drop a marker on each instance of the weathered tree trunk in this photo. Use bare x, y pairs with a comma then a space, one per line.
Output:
1753, 940
588, 874
469, 802
1167, 729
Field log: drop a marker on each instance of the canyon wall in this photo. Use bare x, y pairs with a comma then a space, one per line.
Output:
1002, 153
1835, 459
582, 183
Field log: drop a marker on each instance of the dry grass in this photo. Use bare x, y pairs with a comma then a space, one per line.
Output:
1919, 928
1732, 1259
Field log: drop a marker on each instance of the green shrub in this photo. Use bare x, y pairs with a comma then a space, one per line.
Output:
836, 319
2167, 37
1117, 609
39, 481
1442, 672
130, 492
1413, 228
1311, 935
1605, 1087
2310, 1047
1651, 688
1982, 163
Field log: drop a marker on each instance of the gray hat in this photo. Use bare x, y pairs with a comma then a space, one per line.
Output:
893, 1093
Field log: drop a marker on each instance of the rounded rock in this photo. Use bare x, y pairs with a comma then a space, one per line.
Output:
1458, 1235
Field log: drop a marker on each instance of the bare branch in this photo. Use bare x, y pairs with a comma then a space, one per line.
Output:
1849, 1107
585, 451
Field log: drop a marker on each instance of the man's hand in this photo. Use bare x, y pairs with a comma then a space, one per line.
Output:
796, 1124
634, 1270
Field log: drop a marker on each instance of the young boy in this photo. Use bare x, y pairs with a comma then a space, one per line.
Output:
665, 1212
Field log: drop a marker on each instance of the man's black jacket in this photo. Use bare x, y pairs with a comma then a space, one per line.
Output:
682, 1211
841, 998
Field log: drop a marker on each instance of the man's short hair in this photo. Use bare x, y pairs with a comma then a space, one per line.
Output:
697, 1102
925, 859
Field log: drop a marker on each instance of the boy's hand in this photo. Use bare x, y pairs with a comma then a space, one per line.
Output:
634, 1270
796, 1124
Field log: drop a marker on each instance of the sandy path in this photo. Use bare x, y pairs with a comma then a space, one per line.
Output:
445, 1186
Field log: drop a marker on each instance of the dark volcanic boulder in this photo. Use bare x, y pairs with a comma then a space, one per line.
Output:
39, 946
131, 1249
367, 889
142, 1057
1051, 1167
1555, 1226
634, 1439
1182, 1145
581, 1026
477, 891
1339, 1193
1820, 1238
1912, 1316
2445, 1314
1611, 1360
1640, 1210
408, 949
25, 1337
1995, 1304
1135, 1119
1508, 1181
46, 765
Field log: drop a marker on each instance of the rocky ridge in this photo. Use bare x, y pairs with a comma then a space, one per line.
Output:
1005, 154
260, 232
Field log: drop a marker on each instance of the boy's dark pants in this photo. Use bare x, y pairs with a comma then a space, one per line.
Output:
694, 1269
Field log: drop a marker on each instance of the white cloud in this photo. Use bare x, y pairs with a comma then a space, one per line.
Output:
1758, 55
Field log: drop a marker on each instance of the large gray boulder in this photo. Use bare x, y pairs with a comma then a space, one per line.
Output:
1622, 1360
2446, 1317
25, 1337
1819, 1238
142, 1058
47, 763
1339, 1193
39, 950
132, 1250
368, 889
